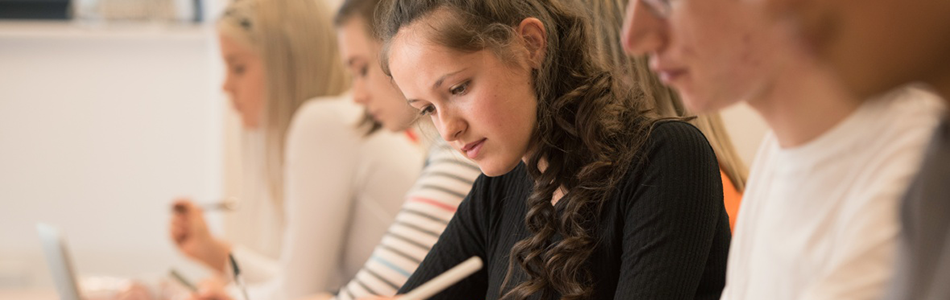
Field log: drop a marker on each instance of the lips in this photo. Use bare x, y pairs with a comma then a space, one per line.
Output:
472, 149
667, 72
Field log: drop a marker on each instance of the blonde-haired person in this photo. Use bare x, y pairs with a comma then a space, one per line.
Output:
446, 178
607, 18
320, 184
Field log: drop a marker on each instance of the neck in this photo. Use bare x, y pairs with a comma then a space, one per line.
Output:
802, 103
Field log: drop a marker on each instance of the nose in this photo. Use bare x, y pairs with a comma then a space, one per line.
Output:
643, 32
228, 85
451, 126
360, 93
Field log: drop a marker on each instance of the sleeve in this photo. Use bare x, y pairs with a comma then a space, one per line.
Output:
674, 219
464, 237
428, 209
319, 164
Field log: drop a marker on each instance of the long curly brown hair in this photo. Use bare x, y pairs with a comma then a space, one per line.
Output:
588, 132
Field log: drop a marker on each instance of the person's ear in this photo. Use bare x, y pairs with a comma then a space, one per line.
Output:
534, 35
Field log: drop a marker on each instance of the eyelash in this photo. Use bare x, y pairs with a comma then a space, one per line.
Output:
363, 71
457, 90
460, 89
428, 109
238, 70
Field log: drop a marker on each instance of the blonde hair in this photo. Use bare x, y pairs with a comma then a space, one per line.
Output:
297, 45
607, 16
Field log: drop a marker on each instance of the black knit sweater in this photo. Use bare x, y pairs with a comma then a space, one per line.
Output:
663, 233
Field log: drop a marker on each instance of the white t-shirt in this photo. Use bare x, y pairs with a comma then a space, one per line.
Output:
342, 190
820, 221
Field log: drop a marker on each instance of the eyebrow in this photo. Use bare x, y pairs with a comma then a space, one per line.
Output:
438, 83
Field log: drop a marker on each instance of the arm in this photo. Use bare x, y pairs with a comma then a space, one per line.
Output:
674, 220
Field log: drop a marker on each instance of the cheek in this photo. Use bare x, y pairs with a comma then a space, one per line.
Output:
511, 114
379, 84
253, 94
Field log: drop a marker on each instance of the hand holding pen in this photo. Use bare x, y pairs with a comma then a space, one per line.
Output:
189, 231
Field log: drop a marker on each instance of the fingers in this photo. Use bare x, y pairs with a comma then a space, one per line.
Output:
182, 221
178, 227
183, 206
178, 230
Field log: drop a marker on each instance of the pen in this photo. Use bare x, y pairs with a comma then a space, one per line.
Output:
181, 279
445, 280
237, 276
226, 204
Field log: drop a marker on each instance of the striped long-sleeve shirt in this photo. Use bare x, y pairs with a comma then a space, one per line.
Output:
445, 180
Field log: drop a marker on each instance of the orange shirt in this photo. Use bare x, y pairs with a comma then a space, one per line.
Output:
731, 198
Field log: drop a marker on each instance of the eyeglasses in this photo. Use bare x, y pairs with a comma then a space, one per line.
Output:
660, 8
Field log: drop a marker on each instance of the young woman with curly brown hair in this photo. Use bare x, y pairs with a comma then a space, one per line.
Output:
586, 195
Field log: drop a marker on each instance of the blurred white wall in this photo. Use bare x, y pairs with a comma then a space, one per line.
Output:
99, 129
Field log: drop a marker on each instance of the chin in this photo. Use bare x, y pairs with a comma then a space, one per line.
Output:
494, 168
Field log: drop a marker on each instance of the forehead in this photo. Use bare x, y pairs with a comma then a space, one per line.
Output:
354, 37
234, 47
412, 48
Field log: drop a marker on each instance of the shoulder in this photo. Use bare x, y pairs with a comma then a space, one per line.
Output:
908, 108
676, 155
675, 139
897, 124
326, 114
324, 126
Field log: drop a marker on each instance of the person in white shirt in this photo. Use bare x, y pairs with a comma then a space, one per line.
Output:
819, 217
321, 184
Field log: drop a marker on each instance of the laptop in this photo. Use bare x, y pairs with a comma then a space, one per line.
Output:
60, 265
